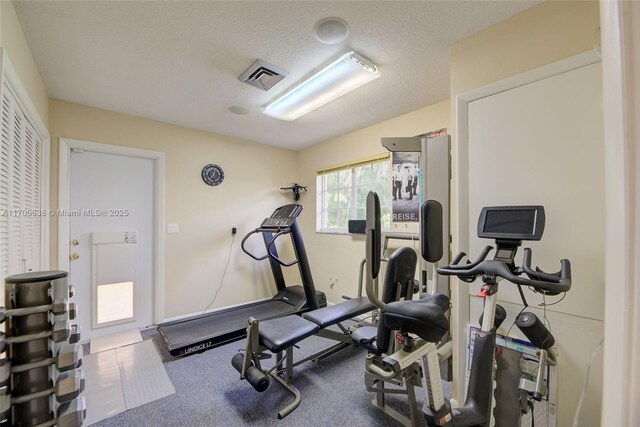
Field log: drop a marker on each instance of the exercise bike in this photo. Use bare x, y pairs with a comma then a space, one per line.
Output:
420, 323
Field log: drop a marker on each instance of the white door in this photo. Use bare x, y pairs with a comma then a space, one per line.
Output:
542, 143
111, 223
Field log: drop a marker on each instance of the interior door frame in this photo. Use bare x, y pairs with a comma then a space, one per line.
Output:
64, 164
619, 21
459, 290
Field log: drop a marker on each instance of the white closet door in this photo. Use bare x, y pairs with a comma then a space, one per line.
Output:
542, 143
20, 190
31, 200
16, 184
4, 185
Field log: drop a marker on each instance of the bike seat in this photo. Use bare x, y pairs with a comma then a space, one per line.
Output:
423, 317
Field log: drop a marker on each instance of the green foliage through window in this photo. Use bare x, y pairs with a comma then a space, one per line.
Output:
344, 194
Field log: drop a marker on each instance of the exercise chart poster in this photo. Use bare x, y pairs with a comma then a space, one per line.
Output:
405, 187
406, 183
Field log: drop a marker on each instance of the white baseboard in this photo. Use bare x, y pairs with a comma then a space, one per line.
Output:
198, 313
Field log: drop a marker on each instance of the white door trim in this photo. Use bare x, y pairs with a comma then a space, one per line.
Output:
66, 145
619, 21
460, 314
11, 78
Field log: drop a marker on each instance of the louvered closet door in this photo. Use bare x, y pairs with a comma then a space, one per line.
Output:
20, 190
5, 150
31, 199
16, 188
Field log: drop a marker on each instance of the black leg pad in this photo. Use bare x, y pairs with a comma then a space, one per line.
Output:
258, 379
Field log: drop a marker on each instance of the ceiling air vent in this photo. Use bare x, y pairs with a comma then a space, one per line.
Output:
262, 75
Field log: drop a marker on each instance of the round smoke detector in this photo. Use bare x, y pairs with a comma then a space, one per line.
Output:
236, 109
331, 30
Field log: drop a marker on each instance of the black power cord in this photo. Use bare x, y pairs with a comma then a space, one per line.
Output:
233, 238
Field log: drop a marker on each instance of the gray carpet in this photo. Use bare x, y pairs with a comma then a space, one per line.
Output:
209, 392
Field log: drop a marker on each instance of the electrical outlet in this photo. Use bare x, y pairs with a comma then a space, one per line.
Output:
234, 229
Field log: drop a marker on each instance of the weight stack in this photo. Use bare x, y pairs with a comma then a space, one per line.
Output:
41, 377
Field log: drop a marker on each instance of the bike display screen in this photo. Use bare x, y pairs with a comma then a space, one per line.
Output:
511, 222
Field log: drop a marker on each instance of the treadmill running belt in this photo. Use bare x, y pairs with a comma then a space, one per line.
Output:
201, 333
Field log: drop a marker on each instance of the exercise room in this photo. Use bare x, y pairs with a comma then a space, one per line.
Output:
312, 213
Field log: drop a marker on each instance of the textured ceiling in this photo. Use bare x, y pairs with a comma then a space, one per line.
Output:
178, 62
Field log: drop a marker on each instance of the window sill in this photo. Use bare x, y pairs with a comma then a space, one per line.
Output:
336, 232
346, 233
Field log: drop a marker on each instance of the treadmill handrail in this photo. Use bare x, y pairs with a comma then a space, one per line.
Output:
269, 253
249, 234
275, 258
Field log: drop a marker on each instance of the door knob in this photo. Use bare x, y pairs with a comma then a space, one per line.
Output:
75, 242
74, 256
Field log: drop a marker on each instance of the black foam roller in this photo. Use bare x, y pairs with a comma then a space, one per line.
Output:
236, 361
535, 330
431, 231
258, 379
501, 314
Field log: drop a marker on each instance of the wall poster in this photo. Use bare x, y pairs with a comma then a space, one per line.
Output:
405, 176
406, 183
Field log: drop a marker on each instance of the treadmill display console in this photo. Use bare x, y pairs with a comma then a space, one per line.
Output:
283, 217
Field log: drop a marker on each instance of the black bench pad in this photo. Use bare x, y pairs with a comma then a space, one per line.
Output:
440, 300
337, 313
421, 317
279, 334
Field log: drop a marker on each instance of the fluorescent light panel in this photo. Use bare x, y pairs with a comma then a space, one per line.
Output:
348, 72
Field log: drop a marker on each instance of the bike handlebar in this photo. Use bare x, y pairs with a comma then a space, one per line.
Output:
455, 264
550, 282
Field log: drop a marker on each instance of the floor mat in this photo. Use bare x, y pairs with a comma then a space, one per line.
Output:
108, 342
123, 378
103, 386
144, 378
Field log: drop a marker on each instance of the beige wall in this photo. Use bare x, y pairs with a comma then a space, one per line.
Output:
13, 41
541, 35
338, 256
195, 257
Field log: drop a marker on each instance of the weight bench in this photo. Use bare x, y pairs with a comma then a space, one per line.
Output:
280, 335
333, 314
276, 335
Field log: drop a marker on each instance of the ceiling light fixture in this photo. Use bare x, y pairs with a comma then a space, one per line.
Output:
341, 76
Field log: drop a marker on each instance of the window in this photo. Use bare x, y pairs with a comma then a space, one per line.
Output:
343, 193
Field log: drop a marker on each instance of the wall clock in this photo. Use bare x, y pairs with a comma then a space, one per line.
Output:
212, 174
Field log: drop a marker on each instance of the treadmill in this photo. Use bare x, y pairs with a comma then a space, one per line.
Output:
199, 333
